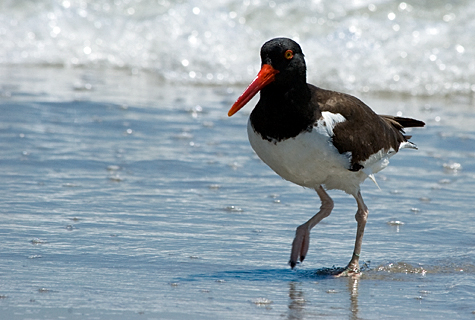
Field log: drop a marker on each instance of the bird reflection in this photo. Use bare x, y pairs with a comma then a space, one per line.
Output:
353, 290
297, 302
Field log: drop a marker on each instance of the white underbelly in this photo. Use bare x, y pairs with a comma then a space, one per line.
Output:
308, 160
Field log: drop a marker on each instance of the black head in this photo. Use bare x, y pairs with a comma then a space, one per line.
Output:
285, 56
283, 69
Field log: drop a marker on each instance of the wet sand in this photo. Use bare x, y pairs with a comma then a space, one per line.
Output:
125, 197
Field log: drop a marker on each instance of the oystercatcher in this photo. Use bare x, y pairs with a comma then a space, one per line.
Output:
317, 138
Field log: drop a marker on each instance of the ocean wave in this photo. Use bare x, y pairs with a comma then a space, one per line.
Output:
370, 46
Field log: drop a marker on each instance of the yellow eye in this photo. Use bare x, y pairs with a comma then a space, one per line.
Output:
289, 54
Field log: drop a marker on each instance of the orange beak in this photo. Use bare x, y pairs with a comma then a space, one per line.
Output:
264, 77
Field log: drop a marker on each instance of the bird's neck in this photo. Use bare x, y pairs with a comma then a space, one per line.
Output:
283, 111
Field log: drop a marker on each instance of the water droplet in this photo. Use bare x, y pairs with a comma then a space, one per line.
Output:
395, 223
115, 178
262, 301
81, 86
448, 17
70, 185
233, 209
38, 241
184, 135
235, 165
299, 300
452, 166
460, 48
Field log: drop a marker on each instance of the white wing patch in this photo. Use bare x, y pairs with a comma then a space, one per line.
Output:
327, 122
377, 162
380, 160
407, 144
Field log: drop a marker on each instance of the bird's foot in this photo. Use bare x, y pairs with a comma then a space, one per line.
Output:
300, 245
351, 270
294, 263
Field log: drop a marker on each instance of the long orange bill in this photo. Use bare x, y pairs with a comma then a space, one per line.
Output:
264, 77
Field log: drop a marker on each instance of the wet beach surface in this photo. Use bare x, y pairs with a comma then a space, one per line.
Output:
124, 196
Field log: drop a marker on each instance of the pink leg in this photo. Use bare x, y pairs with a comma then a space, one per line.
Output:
302, 235
361, 217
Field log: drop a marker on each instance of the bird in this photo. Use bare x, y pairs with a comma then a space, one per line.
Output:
317, 138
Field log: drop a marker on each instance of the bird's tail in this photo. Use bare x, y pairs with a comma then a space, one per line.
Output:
400, 123
408, 122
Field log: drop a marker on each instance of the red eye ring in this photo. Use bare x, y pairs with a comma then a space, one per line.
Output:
289, 54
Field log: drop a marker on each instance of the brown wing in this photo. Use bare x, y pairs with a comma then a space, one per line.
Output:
364, 132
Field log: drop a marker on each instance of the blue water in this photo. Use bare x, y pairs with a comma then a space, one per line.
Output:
127, 192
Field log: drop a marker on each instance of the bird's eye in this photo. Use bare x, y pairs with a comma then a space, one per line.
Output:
289, 54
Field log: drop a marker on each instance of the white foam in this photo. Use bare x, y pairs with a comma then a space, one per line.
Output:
389, 46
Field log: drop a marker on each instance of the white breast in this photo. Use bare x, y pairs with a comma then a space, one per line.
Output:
309, 159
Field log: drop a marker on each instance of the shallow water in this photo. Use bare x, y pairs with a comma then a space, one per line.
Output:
124, 196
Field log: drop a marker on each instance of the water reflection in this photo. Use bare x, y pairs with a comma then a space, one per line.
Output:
297, 301
353, 291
